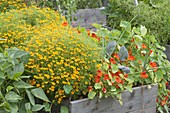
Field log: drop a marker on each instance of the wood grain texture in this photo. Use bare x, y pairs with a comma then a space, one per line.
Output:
141, 100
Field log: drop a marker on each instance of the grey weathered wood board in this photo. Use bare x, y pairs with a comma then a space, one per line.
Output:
86, 17
141, 100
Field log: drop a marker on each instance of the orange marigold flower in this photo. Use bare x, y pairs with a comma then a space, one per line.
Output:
112, 60
153, 64
65, 24
131, 58
144, 46
144, 75
118, 79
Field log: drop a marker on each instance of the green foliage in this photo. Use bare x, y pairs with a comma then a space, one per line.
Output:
136, 59
154, 15
14, 89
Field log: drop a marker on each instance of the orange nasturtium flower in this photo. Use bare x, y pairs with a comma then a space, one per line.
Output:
144, 46
131, 58
153, 64
143, 74
112, 60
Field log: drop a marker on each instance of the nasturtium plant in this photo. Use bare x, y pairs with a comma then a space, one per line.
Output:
132, 58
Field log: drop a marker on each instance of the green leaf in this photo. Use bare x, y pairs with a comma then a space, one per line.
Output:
166, 108
126, 25
22, 84
64, 109
97, 86
14, 107
67, 89
28, 106
105, 66
159, 75
91, 94
9, 88
47, 107
37, 107
13, 97
109, 83
2, 76
143, 30
39, 93
138, 40
113, 88
129, 87
111, 47
31, 97
114, 68
123, 53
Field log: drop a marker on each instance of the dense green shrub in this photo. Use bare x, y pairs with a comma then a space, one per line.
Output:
153, 16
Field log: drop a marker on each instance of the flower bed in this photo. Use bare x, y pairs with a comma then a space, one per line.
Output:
75, 63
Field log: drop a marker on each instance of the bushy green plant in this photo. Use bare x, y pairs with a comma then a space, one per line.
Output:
16, 94
153, 16
131, 57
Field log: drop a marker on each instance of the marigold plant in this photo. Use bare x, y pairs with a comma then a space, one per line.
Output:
62, 61
7, 5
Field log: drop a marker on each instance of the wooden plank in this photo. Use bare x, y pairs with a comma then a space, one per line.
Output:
139, 99
86, 17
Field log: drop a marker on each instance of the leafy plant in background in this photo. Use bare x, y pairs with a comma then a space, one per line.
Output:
16, 94
131, 58
154, 15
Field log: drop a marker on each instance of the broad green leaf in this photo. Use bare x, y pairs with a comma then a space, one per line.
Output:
166, 108
91, 94
97, 86
1, 81
14, 107
47, 107
111, 47
126, 25
113, 88
100, 94
138, 40
143, 30
123, 53
64, 109
37, 107
22, 84
67, 89
31, 97
12, 96
105, 66
159, 75
28, 106
39, 93
2, 76
114, 68
129, 87
18, 71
